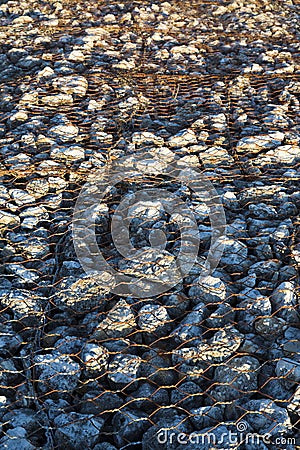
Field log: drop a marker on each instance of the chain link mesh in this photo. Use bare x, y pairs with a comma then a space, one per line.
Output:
205, 365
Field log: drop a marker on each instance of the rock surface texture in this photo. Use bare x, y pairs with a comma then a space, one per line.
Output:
212, 86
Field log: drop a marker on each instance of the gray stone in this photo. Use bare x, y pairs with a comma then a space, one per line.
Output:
123, 371
25, 306
26, 418
235, 255
38, 187
253, 306
68, 344
262, 211
146, 137
157, 369
189, 331
71, 154
255, 144
289, 370
15, 440
76, 431
9, 376
83, 294
57, 374
265, 416
9, 341
265, 270
104, 446
118, 323
131, 425
236, 379
293, 406
64, 133
164, 434
95, 359
8, 221
73, 84
176, 304
148, 398
100, 404
187, 395
222, 316
183, 138
284, 302
57, 100
208, 290
206, 416
21, 197
154, 321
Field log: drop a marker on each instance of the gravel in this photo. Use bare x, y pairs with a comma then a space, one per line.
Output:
212, 86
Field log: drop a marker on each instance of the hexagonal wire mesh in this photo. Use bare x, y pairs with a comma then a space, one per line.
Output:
210, 363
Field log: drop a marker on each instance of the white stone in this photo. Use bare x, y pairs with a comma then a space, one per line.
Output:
72, 84
72, 153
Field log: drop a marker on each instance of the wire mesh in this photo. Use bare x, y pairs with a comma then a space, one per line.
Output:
208, 364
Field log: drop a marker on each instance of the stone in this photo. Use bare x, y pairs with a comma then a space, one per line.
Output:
235, 255
57, 100
262, 211
8, 221
265, 270
146, 137
100, 404
119, 322
25, 306
73, 84
148, 398
154, 321
9, 341
255, 144
25, 276
76, 56
164, 434
64, 133
74, 430
57, 374
21, 197
15, 54
206, 416
237, 378
284, 302
131, 425
216, 157
187, 395
9, 376
26, 418
71, 154
152, 264
266, 417
123, 371
183, 138
15, 439
83, 294
208, 290
157, 369
38, 187
95, 359
288, 369
176, 304
293, 406
223, 315
253, 306
189, 331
